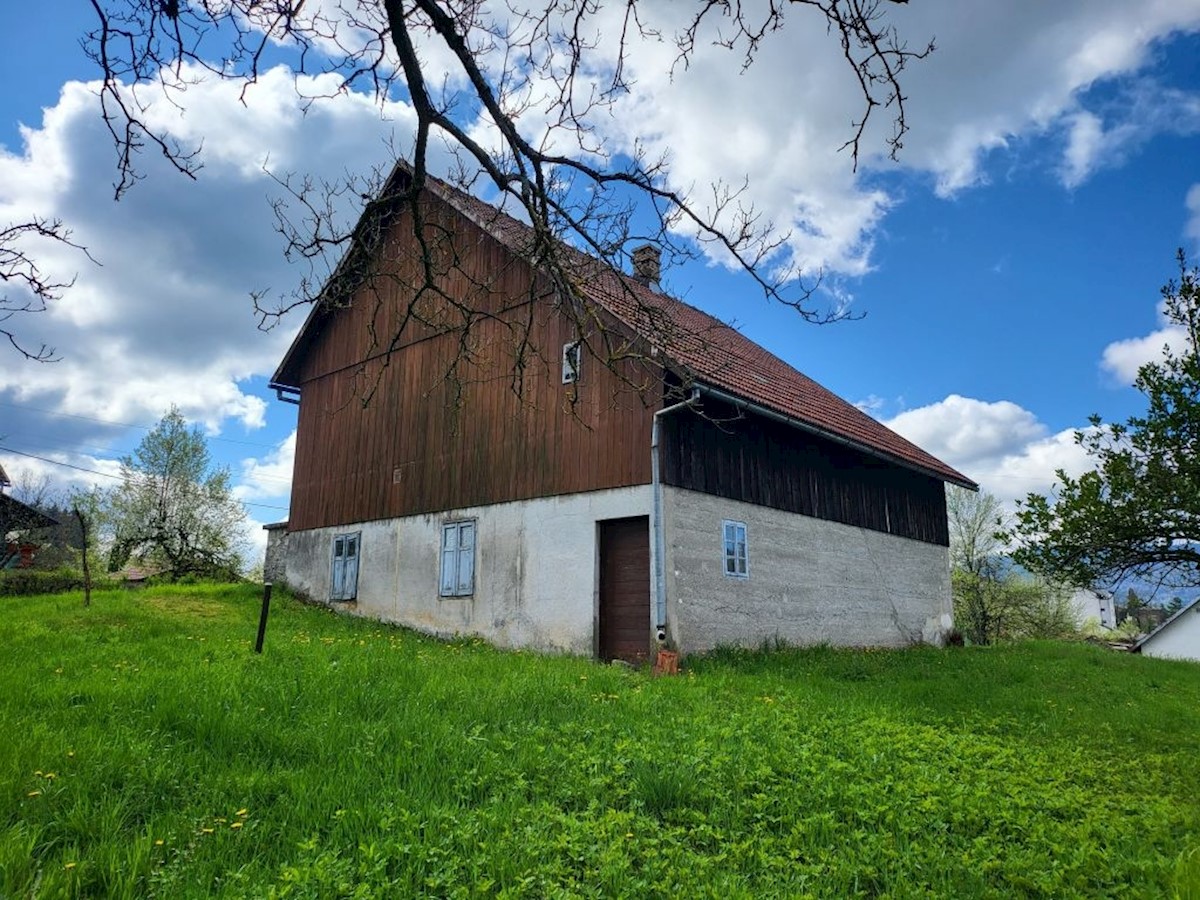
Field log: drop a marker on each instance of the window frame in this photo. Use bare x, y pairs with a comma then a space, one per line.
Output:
730, 546
346, 539
572, 362
458, 527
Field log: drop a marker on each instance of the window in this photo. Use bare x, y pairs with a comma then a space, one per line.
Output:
343, 581
736, 557
572, 356
458, 559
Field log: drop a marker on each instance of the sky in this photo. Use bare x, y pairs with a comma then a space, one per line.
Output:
1004, 271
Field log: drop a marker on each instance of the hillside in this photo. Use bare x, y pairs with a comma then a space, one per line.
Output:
149, 752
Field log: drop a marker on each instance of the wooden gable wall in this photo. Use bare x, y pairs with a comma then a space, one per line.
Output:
757, 460
383, 435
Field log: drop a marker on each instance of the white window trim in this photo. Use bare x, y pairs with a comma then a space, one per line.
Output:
739, 529
456, 527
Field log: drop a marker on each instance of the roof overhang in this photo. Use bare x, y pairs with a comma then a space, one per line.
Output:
759, 409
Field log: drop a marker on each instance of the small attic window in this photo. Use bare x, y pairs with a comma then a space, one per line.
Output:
572, 355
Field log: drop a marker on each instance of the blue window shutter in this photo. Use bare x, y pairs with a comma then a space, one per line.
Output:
449, 560
466, 558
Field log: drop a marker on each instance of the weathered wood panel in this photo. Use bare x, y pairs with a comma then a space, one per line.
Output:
757, 460
410, 432
625, 589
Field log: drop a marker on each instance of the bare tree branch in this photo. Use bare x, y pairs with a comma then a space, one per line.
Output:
25, 287
508, 64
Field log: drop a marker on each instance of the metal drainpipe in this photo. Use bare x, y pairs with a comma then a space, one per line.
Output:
660, 581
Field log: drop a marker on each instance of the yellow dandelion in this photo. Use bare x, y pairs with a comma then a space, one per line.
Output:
243, 812
71, 753
236, 824
50, 776
70, 865
206, 831
158, 843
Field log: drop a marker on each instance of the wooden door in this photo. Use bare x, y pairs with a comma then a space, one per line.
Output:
625, 589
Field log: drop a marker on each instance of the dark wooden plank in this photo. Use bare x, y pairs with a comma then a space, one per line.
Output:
760, 461
625, 589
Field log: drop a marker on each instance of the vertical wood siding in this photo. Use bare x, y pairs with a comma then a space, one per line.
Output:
759, 461
424, 441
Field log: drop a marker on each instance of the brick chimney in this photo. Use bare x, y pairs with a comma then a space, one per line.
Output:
647, 264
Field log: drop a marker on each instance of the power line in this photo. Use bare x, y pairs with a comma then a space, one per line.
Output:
50, 444
114, 422
55, 462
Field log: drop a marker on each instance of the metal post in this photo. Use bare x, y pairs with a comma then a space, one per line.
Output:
262, 619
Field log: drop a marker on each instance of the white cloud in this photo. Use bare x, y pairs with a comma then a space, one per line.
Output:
1143, 110
1086, 138
1002, 74
1123, 358
999, 444
164, 315
270, 476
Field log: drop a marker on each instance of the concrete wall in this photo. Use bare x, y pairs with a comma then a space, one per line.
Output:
1179, 639
810, 581
535, 569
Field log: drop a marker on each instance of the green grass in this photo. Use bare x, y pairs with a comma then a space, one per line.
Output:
146, 751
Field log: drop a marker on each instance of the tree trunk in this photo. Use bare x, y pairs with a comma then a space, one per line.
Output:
87, 571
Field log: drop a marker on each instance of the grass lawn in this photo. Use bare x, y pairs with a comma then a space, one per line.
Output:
146, 751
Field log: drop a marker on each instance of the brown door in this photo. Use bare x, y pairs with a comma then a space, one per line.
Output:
625, 589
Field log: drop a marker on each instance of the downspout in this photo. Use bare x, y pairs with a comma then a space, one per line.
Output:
656, 524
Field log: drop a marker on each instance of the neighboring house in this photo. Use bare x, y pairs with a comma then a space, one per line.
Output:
1098, 606
698, 491
1176, 638
19, 524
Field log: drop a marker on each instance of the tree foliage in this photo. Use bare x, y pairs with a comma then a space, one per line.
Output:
173, 511
992, 601
1138, 512
974, 517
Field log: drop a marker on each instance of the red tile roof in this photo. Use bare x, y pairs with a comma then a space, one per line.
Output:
713, 352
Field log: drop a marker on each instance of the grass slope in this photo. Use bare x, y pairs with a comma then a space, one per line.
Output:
146, 751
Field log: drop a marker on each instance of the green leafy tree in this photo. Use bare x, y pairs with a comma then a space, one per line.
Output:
1138, 512
173, 510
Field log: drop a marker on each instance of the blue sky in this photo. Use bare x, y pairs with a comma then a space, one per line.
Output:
1007, 267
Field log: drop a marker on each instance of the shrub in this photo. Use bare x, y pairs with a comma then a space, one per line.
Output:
27, 582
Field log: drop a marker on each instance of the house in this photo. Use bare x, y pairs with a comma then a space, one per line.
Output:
657, 479
1093, 606
18, 524
1178, 637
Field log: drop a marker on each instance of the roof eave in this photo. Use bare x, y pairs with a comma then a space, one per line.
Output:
762, 409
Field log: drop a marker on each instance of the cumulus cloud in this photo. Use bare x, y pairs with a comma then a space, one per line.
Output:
270, 476
1003, 446
783, 120
1123, 358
